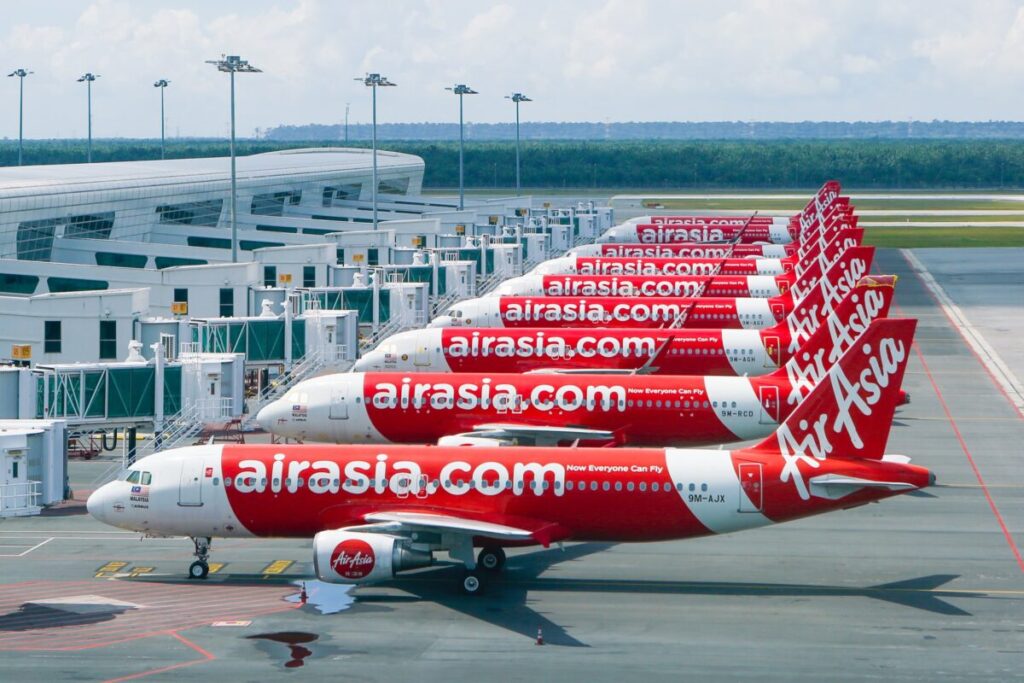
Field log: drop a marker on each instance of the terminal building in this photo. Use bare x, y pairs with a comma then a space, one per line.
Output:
126, 305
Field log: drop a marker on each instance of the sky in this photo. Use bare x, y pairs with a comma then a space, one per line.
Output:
580, 60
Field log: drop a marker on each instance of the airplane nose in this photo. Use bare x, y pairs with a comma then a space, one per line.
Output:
441, 321
99, 503
269, 415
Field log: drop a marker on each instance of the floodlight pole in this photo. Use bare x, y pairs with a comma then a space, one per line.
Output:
231, 64
372, 81
20, 73
88, 78
460, 90
162, 83
517, 98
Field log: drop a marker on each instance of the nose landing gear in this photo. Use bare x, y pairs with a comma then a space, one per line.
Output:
200, 569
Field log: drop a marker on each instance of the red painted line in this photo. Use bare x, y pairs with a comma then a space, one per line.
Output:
206, 657
115, 639
970, 461
981, 362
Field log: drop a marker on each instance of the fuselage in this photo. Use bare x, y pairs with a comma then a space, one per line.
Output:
576, 494
707, 351
596, 265
754, 286
686, 250
549, 311
636, 409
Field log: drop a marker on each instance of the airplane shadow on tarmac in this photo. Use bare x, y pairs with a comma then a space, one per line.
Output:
506, 604
506, 601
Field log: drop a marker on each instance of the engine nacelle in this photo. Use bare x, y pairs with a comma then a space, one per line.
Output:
469, 440
352, 557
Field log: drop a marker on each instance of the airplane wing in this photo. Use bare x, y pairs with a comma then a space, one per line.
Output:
537, 435
496, 526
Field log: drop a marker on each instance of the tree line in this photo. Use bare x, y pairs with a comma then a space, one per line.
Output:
660, 130
667, 164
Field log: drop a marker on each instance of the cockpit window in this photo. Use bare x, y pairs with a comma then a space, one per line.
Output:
454, 313
147, 477
133, 477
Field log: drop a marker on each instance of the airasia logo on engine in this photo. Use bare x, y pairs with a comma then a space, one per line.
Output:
353, 559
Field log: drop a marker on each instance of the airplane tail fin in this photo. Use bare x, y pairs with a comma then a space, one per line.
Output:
840, 274
849, 413
813, 356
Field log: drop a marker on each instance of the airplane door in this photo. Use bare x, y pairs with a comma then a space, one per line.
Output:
421, 358
751, 489
190, 486
769, 404
779, 311
773, 352
339, 404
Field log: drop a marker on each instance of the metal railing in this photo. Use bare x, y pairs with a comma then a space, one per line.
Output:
20, 499
314, 361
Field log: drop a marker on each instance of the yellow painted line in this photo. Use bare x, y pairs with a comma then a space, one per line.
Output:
277, 567
139, 571
216, 567
110, 568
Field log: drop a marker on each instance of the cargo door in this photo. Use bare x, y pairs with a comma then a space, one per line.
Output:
769, 404
751, 489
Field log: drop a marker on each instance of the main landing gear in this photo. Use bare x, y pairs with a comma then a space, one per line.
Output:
200, 569
489, 561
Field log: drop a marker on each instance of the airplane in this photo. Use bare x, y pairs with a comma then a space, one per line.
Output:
827, 248
595, 408
374, 512
826, 206
724, 312
708, 351
706, 249
808, 269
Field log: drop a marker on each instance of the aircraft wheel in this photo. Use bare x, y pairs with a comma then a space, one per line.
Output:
472, 583
491, 559
198, 570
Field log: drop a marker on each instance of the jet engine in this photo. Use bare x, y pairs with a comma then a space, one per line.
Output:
352, 557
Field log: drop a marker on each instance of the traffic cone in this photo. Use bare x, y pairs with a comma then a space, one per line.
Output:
303, 596
540, 636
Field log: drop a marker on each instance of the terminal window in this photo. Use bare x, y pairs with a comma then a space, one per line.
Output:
269, 276
51, 336
393, 186
90, 226
108, 339
309, 276
227, 302
181, 295
192, 213
35, 239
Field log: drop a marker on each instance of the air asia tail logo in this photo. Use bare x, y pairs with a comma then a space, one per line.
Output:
810, 441
806, 370
353, 559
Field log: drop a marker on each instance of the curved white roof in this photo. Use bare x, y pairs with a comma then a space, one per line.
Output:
293, 164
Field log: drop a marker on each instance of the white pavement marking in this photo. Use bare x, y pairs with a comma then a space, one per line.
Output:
26, 552
999, 370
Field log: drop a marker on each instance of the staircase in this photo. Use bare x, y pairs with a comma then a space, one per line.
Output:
314, 361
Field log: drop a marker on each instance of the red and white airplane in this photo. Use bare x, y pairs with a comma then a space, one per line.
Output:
548, 408
711, 249
825, 207
808, 267
825, 247
374, 512
724, 312
708, 351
